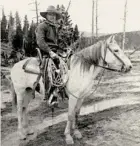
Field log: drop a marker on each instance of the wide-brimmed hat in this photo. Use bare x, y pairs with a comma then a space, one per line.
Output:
51, 9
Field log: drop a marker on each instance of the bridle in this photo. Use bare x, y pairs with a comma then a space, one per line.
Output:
105, 63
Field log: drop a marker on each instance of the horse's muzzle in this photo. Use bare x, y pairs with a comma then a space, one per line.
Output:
126, 69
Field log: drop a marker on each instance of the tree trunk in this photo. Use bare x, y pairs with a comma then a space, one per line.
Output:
92, 21
124, 26
96, 18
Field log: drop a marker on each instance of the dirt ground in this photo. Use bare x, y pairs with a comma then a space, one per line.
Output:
110, 117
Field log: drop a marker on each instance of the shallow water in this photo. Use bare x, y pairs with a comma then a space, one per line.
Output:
107, 104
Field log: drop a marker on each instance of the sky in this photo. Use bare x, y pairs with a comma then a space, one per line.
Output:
110, 13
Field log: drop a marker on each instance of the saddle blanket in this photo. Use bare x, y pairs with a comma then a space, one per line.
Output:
32, 65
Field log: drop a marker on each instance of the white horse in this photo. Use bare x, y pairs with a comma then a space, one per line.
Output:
84, 67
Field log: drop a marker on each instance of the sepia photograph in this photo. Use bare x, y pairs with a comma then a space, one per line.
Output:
70, 72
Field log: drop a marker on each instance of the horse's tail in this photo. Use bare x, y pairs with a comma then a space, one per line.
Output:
14, 98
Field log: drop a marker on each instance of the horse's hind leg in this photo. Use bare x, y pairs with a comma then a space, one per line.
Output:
27, 97
28, 130
23, 100
22, 132
71, 118
76, 132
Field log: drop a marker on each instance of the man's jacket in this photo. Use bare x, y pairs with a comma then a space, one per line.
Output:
46, 36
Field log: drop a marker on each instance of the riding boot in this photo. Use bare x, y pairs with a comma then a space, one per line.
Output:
47, 88
45, 77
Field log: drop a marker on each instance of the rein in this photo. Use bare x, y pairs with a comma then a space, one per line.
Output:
107, 68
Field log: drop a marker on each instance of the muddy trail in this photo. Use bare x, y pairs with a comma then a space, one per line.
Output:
107, 128
110, 117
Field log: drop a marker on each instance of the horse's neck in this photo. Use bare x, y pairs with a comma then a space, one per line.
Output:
92, 53
88, 57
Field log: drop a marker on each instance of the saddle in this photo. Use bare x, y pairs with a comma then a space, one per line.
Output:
41, 65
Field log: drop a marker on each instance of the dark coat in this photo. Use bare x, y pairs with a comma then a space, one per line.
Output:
46, 36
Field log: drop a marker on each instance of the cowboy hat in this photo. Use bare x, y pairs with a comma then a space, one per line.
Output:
51, 9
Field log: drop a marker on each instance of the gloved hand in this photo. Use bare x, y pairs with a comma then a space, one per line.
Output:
53, 55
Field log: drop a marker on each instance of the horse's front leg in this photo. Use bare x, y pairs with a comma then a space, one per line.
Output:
23, 99
76, 132
71, 118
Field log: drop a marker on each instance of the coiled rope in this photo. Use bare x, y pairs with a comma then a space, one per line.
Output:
57, 79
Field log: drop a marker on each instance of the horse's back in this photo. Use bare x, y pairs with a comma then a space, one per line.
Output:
32, 60
18, 68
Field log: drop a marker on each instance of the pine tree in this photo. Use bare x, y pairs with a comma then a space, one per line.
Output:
76, 33
25, 33
58, 8
3, 27
62, 8
26, 26
18, 38
11, 31
67, 20
66, 31
18, 21
30, 49
17, 52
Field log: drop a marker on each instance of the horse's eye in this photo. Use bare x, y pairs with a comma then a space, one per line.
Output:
116, 50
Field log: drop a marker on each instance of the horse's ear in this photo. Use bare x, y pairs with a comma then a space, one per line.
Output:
113, 38
110, 39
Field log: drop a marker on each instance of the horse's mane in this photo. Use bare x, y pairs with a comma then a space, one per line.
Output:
88, 56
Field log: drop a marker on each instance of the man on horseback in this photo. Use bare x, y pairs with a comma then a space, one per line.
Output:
47, 36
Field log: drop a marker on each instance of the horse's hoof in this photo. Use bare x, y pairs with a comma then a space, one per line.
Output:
53, 105
22, 136
77, 134
69, 140
30, 132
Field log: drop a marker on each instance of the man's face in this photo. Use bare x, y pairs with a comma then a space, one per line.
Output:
51, 17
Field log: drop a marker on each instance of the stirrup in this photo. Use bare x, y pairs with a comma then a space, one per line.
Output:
57, 71
52, 103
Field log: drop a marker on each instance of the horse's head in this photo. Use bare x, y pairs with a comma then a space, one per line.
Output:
114, 57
